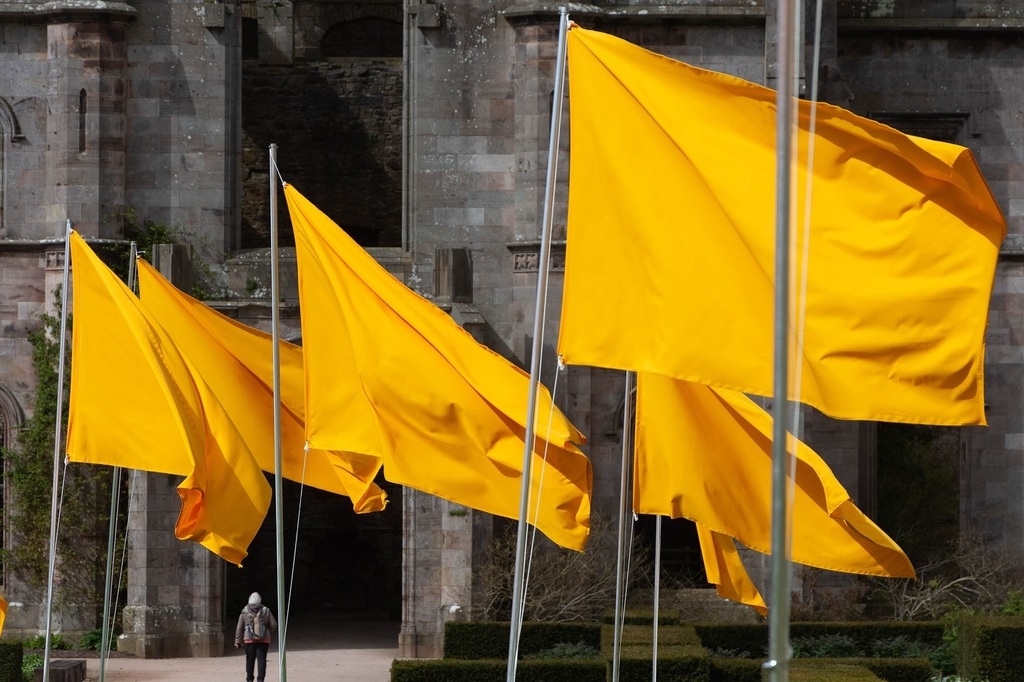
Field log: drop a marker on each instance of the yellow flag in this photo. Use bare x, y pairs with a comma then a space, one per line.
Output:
389, 373
725, 570
236, 361
706, 454
137, 402
671, 248
3, 613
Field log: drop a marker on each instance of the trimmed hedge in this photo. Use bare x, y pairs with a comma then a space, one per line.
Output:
641, 617
889, 669
464, 640
829, 670
11, 656
577, 670
751, 641
734, 670
642, 634
990, 648
677, 669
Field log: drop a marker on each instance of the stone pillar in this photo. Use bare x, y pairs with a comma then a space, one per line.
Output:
175, 589
86, 124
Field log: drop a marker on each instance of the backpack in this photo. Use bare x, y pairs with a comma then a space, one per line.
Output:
258, 627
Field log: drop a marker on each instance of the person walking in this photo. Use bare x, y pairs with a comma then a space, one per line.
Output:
255, 624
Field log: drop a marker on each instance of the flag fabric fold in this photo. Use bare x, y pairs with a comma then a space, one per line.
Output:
388, 373
670, 245
236, 361
706, 454
725, 570
137, 402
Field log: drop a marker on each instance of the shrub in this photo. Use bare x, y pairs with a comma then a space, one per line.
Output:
57, 642
832, 645
91, 640
11, 661
566, 650
30, 663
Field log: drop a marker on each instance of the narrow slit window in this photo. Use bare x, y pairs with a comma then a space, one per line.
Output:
82, 106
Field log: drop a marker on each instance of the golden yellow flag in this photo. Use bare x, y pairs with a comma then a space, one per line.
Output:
389, 373
706, 454
236, 361
725, 570
3, 613
137, 402
671, 243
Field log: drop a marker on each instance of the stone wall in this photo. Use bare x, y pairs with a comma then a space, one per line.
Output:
338, 127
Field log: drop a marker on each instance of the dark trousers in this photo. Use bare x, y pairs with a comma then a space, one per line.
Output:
256, 656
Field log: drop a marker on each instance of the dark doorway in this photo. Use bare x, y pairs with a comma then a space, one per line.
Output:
347, 566
919, 488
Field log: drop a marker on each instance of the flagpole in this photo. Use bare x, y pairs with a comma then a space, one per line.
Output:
778, 630
276, 354
537, 347
657, 596
56, 446
620, 554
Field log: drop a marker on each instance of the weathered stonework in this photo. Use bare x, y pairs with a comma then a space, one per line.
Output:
424, 129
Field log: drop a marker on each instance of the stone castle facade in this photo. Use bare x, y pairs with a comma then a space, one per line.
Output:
422, 127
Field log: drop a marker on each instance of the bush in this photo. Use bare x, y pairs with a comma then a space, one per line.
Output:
832, 645
91, 640
57, 642
11, 661
566, 650
29, 665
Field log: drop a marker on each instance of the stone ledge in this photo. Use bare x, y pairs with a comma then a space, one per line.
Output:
1011, 25
65, 8
751, 11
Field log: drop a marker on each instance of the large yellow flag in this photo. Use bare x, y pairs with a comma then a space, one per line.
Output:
236, 361
670, 247
706, 454
389, 373
137, 402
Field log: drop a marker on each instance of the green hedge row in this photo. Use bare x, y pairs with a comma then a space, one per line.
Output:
751, 641
641, 617
828, 670
465, 640
677, 669
578, 670
990, 648
11, 657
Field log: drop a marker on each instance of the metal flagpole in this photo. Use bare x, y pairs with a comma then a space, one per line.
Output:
657, 596
115, 487
56, 446
778, 631
620, 554
537, 347
275, 333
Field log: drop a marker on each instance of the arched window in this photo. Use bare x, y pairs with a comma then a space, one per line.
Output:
11, 418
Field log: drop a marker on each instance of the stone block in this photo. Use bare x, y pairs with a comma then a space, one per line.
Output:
63, 670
